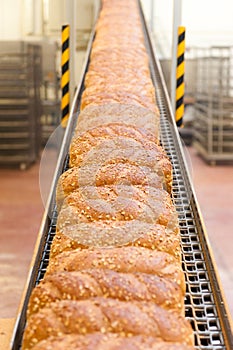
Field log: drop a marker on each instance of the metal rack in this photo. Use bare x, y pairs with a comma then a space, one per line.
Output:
50, 97
20, 78
205, 305
213, 125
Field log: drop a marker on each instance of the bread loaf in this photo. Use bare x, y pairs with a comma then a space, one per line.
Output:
93, 136
118, 233
125, 55
94, 116
121, 259
119, 96
85, 284
116, 174
121, 149
133, 74
145, 88
117, 203
107, 341
107, 315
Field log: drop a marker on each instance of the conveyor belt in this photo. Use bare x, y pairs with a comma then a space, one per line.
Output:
205, 305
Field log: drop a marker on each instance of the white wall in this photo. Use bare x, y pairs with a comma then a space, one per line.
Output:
36, 20
207, 22
10, 19
20, 18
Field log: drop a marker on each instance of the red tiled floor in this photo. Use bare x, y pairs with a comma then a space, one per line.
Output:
21, 211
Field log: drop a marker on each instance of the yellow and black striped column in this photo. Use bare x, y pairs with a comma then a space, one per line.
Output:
65, 78
180, 68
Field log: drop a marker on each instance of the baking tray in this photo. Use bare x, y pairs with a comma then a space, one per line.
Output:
205, 305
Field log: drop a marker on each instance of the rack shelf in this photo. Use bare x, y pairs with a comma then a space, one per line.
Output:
20, 107
213, 124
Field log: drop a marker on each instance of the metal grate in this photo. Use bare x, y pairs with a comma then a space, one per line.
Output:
200, 305
51, 233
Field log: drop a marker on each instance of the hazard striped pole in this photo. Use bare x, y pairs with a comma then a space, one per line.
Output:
65, 78
180, 68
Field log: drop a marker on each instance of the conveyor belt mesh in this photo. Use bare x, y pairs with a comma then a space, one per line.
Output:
200, 306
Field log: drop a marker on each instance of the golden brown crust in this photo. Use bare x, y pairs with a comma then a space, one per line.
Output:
112, 130
128, 259
123, 150
117, 203
107, 315
115, 53
110, 174
125, 56
119, 96
145, 88
99, 76
82, 144
155, 237
100, 63
85, 284
120, 143
108, 341
125, 114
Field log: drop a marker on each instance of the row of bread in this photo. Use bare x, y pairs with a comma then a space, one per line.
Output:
114, 279
119, 67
